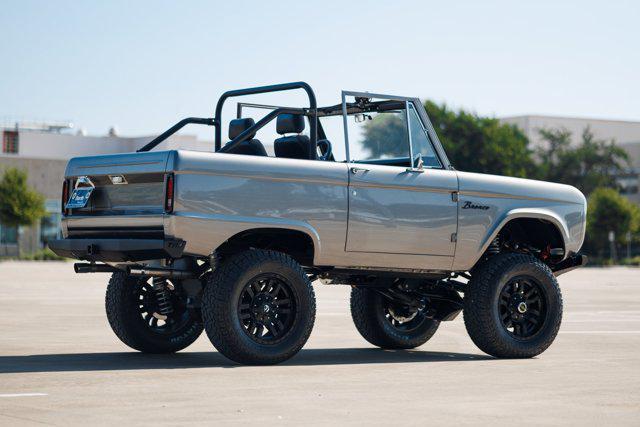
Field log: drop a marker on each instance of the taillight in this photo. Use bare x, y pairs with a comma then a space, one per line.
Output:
65, 194
168, 194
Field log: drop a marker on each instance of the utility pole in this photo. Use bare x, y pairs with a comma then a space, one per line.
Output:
612, 246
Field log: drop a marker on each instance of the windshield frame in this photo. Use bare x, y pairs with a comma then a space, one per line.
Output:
419, 108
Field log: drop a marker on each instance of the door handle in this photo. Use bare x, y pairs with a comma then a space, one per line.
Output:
355, 170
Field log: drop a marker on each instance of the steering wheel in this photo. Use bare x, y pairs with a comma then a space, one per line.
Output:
325, 148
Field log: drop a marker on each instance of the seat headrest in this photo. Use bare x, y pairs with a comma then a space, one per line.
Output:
289, 123
237, 126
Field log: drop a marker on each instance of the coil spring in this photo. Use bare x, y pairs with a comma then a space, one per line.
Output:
162, 296
494, 247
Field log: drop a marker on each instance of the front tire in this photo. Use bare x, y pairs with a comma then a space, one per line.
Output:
385, 325
259, 307
134, 316
513, 306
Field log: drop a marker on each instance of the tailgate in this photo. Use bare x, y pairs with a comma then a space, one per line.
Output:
124, 184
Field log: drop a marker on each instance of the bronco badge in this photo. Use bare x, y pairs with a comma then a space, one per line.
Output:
471, 205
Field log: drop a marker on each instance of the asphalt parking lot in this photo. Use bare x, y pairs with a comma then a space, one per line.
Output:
60, 364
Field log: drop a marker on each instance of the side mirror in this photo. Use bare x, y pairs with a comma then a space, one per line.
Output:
417, 165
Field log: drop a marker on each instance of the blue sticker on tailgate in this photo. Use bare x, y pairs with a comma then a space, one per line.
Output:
79, 198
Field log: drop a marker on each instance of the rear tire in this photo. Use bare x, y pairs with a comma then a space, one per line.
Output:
370, 314
513, 306
131, 306
259, 307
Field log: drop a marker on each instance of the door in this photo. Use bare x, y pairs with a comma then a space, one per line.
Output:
401, 196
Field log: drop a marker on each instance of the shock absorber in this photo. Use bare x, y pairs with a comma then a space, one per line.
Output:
162, 295
494, 246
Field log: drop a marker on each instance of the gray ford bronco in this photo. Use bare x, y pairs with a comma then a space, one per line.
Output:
359, 193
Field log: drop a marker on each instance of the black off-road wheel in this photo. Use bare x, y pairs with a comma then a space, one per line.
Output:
388, 325
259, 307
134, 313
513, 306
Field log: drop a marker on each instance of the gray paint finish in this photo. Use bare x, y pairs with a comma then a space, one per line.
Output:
392, 210
378, 217
511, 198
219, 195
395, 219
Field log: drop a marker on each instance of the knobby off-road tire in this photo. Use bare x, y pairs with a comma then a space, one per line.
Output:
513, 306
259, 307
131, 317
370, 313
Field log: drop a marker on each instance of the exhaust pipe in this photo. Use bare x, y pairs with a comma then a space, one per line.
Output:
168, 273
82, 267
160, 272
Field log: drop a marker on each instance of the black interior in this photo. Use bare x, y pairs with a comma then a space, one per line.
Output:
250, 146
394, 161
289, 120
292, 146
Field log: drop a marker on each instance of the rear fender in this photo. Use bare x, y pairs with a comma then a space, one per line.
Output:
205, 232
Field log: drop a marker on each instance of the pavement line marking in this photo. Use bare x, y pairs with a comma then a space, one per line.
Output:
601, 320
600, 332
23, 394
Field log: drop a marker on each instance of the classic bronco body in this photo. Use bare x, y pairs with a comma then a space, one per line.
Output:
230, 240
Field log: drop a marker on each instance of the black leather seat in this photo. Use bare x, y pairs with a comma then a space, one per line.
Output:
294, 146
251, 147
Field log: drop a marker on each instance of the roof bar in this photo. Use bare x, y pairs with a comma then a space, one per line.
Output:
266, 89
175, 128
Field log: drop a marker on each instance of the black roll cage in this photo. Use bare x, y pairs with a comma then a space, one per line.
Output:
216, 120
313, 112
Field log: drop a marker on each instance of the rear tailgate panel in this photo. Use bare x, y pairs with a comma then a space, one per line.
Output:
143, 193
133, 208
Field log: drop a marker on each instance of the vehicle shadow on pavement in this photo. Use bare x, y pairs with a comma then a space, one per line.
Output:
189, 360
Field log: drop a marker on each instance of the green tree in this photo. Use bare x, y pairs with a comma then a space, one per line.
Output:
592, 164
481, 144
472, 143
609, 211
386, 136
19, 204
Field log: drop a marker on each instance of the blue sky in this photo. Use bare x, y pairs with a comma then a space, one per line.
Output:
142, 65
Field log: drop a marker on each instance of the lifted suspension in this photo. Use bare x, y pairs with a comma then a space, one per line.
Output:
160, 287
438, 300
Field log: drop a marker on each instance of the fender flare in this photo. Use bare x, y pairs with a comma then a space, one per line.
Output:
535, 213
243, 224
256, 224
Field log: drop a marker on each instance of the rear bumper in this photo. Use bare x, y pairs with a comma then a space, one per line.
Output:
117, 250
138, 226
